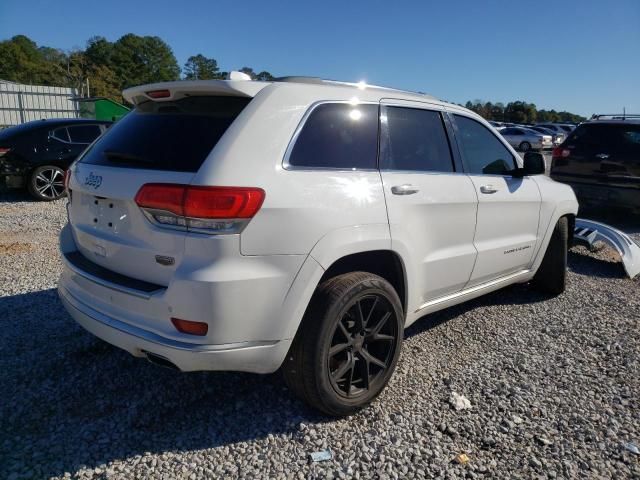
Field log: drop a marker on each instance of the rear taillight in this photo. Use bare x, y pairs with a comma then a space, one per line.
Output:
190, 327
214, 210
560, 152
4, 151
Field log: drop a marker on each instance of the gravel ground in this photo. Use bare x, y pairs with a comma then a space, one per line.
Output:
553, 386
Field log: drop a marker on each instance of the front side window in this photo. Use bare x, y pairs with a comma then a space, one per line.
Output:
338, 135
415, 140
84, 133
483, 152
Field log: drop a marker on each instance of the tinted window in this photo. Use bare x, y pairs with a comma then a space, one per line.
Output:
60, 134
84, 133
338, 135
483, 152
414, 139
175, 136
594, 136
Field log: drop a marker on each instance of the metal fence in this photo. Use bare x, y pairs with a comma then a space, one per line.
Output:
23, 103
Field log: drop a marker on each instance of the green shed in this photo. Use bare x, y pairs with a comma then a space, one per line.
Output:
102, 108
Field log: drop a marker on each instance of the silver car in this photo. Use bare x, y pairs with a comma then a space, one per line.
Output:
558, 138
525, 139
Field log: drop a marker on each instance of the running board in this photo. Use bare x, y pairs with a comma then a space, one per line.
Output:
476, 290
589, 232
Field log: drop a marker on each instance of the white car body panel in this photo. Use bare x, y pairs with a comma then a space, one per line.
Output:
507, 225
253, 288
442, 214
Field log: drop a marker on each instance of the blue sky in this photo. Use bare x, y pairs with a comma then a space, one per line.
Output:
577, 55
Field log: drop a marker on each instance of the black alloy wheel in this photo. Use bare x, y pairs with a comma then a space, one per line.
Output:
348, 344
362, 346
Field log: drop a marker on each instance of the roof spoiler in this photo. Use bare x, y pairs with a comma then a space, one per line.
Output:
237, 86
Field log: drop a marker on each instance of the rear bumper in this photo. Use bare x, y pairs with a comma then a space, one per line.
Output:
255, 357
603, 195
249, 303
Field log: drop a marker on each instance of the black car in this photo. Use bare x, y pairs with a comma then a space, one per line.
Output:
600, 159
36, 154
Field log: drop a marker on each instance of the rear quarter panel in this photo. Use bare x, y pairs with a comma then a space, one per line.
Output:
301, 206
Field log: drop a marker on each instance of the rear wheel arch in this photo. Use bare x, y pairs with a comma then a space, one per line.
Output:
385, 263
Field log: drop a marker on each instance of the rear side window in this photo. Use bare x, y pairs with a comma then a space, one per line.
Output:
338, 135
175, 136
60, 134
414, 140
84, 133
483, 152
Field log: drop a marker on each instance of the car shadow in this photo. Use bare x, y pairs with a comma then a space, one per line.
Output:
78, 401
585, 264
14, 196
518, 294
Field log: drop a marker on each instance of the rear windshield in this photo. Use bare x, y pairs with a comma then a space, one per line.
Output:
616, 137
174, 136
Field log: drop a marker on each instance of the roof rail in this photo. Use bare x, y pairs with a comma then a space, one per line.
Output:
614, 116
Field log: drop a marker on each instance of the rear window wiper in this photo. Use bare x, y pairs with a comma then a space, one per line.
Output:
124, 157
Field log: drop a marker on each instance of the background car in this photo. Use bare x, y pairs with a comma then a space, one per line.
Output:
558, 138
601, 161
525, 139
36, 154
558, 128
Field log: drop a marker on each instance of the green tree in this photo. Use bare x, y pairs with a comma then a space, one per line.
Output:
20, 60
137, 60
99, 51
265, 76
199, 67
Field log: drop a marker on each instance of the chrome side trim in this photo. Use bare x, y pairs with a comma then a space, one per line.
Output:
589, 232
506, 279
107, 284
151, 337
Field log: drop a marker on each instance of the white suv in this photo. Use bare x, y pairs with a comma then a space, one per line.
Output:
299, 224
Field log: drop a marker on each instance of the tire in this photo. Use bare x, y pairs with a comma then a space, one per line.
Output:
525, 147
329, 356
551, 276
46, 183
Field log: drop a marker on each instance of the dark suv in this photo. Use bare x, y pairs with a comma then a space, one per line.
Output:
36, 154
600, 159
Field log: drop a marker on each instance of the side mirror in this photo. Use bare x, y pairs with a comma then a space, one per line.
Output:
533, 164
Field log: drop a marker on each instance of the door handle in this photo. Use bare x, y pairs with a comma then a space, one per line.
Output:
405, 189
488, 189
602, 156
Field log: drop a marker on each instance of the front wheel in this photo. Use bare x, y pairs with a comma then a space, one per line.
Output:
525, 146
348, 343
47, 183
551, 276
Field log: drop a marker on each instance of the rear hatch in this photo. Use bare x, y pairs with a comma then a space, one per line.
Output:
600, 154
160, 141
